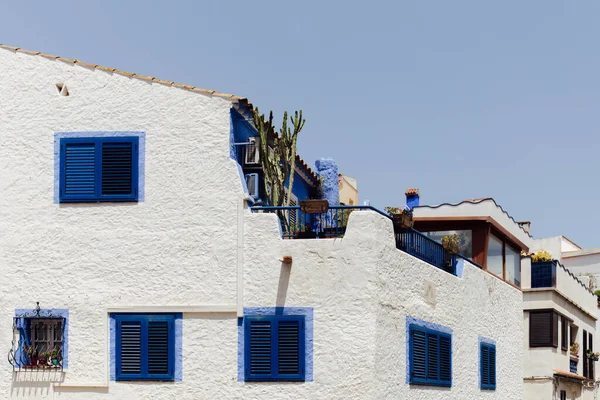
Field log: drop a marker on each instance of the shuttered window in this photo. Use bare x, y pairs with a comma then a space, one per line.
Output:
564, 334
430, 357
274, 348
99, 169
145, 347
543, 328
487, 364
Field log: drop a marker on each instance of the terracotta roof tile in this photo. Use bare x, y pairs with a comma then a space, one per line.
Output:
412, 192
129, 74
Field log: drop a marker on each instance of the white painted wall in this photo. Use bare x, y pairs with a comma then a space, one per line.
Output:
362, 288
553, 245
177, 251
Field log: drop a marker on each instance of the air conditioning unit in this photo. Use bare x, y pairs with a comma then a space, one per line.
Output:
253, 152
252, 184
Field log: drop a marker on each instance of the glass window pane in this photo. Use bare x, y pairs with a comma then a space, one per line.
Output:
466, 240
494, 256
513, 266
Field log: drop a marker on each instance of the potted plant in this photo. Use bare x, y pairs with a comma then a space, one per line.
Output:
55, 357
403, 218
43, 358
574, 349
31, 355
591, 355
451, 243
541, 256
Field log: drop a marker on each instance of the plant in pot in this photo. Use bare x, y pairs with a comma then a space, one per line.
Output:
591, 355
451, 243
574, 349
403, 218
55, 357
43, 358
541, 256
31, 355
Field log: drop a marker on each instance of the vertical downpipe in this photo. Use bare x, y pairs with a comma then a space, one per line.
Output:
240, 258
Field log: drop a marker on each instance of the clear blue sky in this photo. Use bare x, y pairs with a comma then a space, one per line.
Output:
461, 99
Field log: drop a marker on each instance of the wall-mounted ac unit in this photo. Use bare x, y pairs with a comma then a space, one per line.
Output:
252, 152
252, 184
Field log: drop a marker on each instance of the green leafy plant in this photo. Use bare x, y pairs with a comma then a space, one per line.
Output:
591, 355
451, 241
541, 256
574, 348
398, 210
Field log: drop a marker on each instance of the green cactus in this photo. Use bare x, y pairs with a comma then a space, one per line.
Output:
279, 162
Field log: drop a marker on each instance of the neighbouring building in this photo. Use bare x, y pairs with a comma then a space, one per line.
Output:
138, 264
558, 308
348, 190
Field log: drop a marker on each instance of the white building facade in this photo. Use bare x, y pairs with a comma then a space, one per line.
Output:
125, 220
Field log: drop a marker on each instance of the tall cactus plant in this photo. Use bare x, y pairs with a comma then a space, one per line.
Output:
278, 154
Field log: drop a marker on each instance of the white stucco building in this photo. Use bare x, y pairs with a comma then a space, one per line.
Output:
125, 218
558, 307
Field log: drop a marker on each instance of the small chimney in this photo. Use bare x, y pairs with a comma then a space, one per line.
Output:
526, 226
412, 198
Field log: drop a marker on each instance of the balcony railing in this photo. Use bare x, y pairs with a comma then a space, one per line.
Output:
296, 224
415, 243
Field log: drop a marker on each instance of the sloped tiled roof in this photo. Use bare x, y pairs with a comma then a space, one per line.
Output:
129, 74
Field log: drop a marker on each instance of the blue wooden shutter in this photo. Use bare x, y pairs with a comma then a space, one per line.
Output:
290, 348
493, 366
488, 366
78, 169
274, 348
158, 347
117, 168
99, 169
145, 347
131, 348
485, 366
433, 360
260, 348
419, 356
430, 357
445, 359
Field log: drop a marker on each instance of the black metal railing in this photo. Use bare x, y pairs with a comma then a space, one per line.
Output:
296, 224
415, 243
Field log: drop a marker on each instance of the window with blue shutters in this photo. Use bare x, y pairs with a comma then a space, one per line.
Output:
99, 169
430, 357
274, 348
487, 366
145, 347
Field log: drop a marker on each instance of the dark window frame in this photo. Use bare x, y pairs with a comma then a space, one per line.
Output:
505, 243
564, 340
536, 317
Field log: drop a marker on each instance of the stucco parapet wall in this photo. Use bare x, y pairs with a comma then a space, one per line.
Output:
482, 209
364, 228
546, 298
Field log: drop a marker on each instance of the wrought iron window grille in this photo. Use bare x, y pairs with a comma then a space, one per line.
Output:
37, 342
